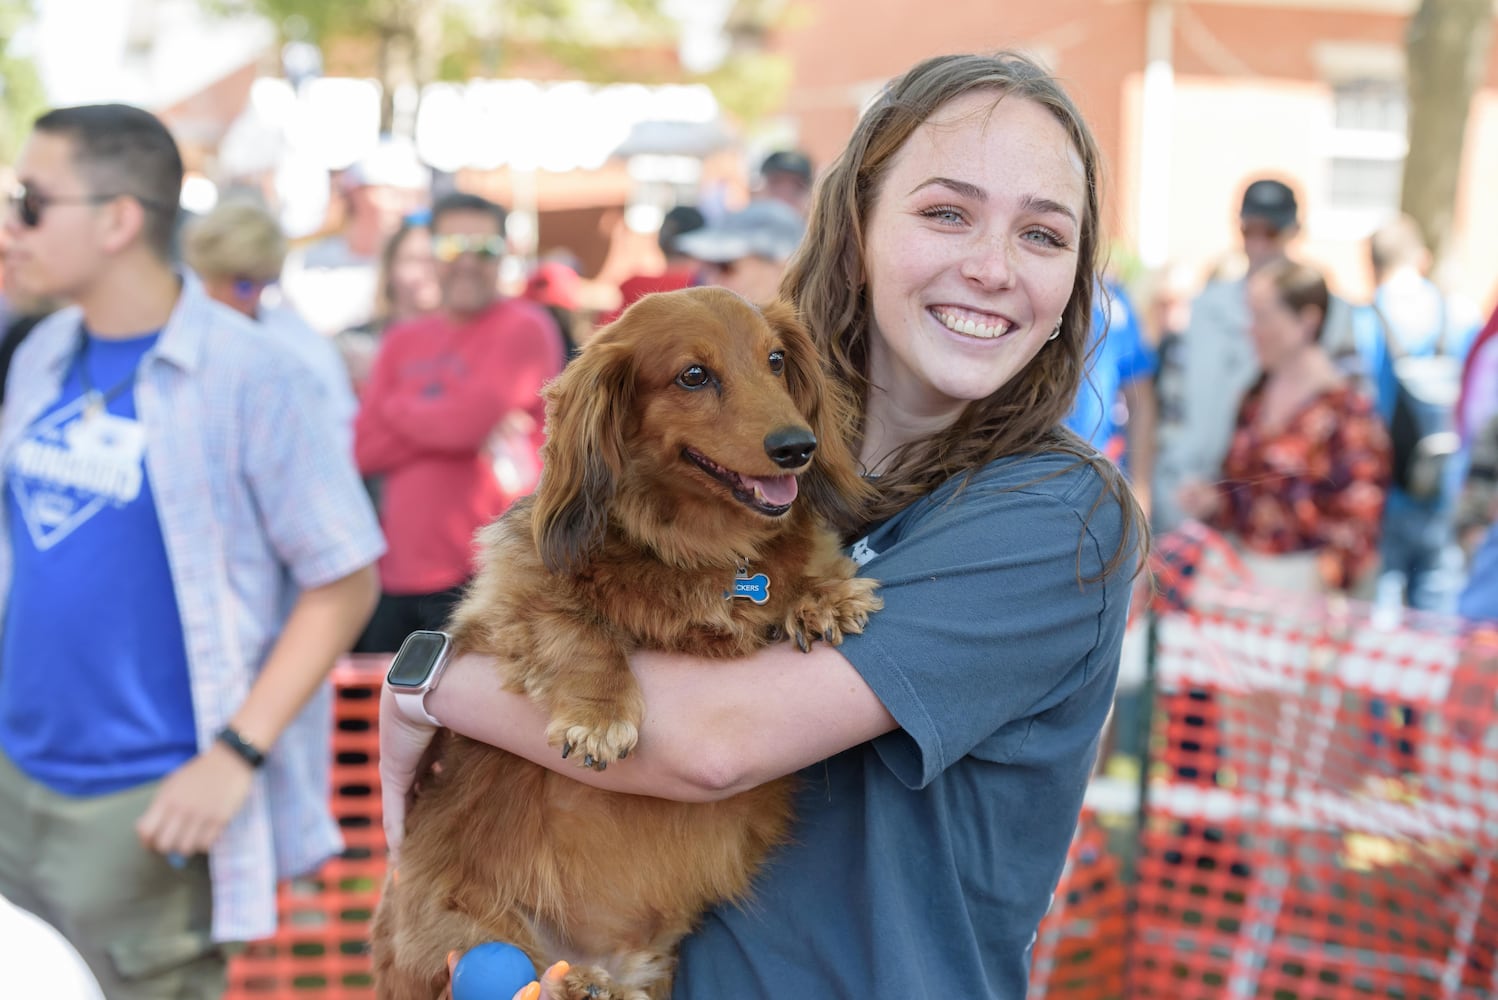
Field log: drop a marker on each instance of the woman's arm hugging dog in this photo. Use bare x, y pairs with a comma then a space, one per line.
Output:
696, 474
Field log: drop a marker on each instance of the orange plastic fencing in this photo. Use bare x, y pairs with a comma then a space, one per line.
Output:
1080, 951
321, 948
1322, 811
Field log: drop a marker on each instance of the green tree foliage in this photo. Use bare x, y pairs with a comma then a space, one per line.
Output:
404, 34
21, 96
418, 41
592, 40
751, 84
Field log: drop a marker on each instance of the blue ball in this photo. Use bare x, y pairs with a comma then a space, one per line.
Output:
492, 971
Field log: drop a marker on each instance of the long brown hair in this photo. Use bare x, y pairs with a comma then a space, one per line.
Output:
825, 280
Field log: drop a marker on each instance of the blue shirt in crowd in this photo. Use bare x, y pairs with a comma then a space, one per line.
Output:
1119, 355
94, 693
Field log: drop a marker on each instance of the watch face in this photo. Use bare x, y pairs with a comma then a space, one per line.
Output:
418, 656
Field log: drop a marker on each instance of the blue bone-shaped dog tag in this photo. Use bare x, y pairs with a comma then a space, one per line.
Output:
754, 588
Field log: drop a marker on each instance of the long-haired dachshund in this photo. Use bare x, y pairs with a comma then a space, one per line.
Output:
695, 455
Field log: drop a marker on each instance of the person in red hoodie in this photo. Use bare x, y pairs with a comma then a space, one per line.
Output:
453, 397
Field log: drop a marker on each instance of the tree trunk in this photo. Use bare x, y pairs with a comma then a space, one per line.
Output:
1446, 49
424, 50
384, 70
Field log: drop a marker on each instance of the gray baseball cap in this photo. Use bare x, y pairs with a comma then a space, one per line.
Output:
768, 229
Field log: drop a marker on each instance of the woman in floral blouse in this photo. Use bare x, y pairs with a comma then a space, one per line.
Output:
1304, 479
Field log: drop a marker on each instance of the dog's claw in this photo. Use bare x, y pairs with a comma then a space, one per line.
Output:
602, 765
588, 760
623, 754
801, 642
827, 635
566, 750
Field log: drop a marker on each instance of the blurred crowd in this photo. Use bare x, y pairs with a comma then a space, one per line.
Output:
429, 352
1342, 445
393, 368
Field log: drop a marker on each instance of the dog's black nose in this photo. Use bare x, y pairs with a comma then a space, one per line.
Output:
790, 447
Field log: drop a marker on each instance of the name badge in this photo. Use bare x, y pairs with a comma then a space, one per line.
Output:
754, 588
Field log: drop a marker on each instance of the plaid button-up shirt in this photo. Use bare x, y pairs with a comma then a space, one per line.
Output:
257, 500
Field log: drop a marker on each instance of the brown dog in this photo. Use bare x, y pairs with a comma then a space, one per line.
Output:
693, 439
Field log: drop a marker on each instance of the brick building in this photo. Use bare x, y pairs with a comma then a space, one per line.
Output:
1188, 98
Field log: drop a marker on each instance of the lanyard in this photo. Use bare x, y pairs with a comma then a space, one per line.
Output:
94, 401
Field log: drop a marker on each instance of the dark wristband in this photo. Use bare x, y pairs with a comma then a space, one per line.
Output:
241, 746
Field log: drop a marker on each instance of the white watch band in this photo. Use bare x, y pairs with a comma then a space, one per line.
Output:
413, 705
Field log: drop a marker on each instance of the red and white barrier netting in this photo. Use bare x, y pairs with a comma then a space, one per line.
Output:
1321, 808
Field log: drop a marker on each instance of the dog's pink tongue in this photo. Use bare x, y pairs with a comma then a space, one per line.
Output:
775, 490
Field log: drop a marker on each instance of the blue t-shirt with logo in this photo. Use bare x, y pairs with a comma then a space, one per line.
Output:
94, 691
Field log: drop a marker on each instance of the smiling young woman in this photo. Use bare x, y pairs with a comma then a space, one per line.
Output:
971, 259
947, 277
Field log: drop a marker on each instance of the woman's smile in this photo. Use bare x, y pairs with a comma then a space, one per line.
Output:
970, 323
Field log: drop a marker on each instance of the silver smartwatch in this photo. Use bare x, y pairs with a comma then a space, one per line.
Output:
415, 671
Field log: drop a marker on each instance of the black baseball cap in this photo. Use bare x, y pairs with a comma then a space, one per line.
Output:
679, 221
1272, 201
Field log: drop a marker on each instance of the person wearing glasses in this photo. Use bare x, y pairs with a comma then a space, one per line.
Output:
237, 249
444, 388
185, 549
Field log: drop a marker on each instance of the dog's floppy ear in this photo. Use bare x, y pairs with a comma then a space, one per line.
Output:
832, 484
588, 410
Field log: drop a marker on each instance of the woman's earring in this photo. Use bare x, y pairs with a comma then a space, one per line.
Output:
1056, 332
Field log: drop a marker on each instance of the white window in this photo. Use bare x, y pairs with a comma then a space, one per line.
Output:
1367, 145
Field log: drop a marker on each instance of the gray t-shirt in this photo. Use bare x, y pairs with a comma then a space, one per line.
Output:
921, 863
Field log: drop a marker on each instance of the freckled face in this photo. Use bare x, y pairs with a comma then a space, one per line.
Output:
970, 250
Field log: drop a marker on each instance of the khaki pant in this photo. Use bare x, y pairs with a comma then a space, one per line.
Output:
142, 926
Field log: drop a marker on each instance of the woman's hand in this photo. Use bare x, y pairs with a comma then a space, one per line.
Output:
402, 744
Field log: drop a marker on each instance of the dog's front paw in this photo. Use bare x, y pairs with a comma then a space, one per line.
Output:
833, 609
592, 738
593, 983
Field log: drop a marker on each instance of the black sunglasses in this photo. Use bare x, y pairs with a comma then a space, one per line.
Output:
28, 204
